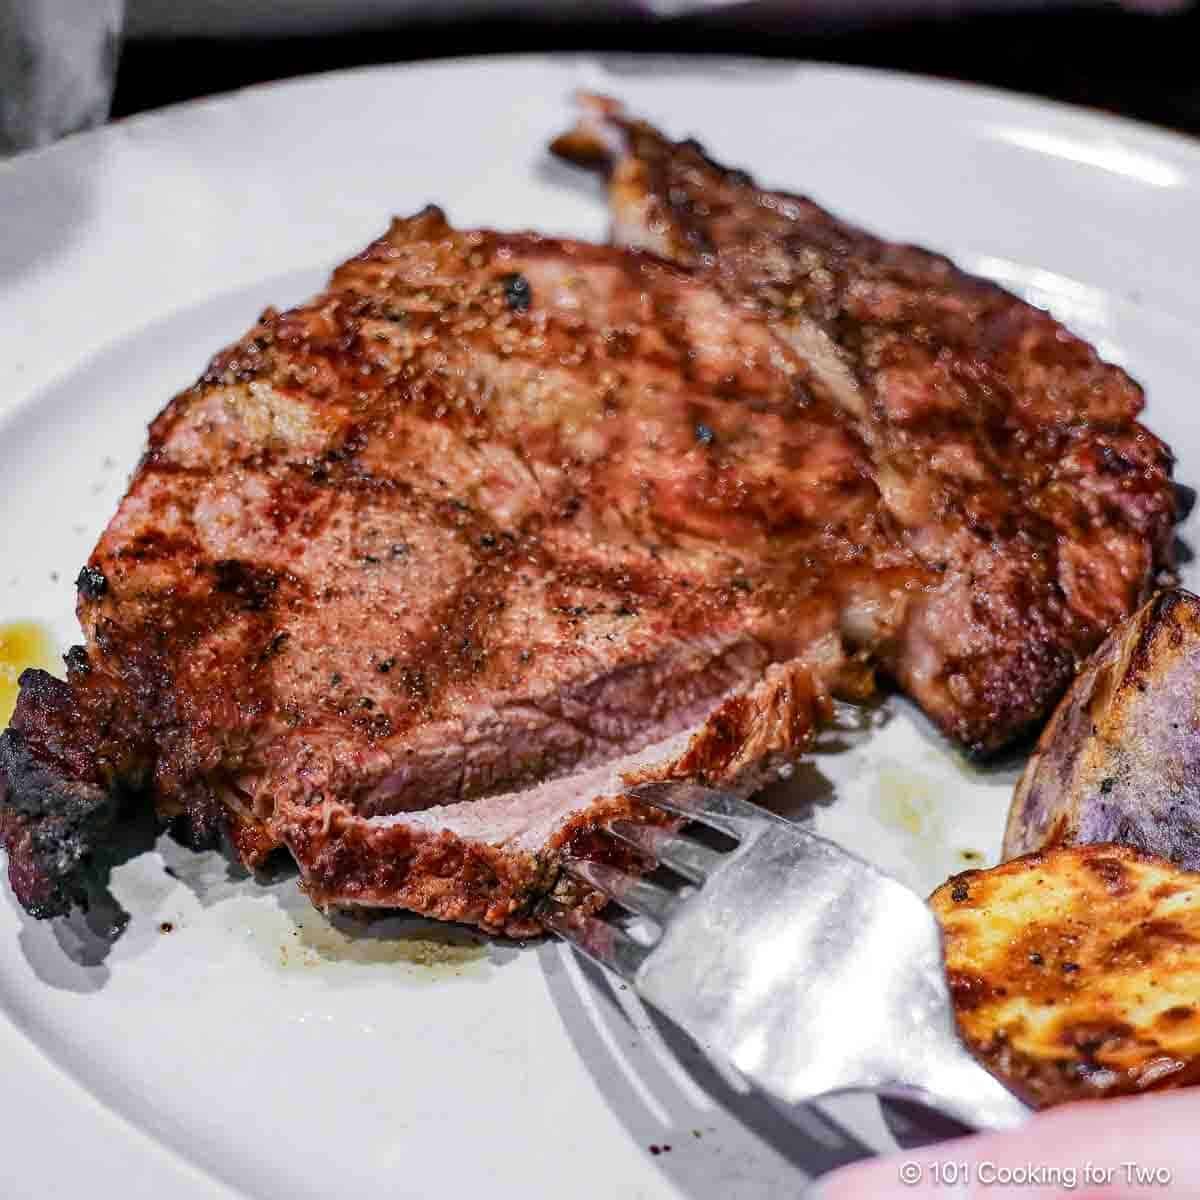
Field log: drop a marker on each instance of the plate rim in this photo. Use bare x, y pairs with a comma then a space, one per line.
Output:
1177, 140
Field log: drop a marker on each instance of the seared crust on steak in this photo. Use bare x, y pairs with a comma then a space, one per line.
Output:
59, 801
417, 571
49, 823
1005, 449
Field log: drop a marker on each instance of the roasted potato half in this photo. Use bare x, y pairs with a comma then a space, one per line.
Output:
1120, 758
1076, 972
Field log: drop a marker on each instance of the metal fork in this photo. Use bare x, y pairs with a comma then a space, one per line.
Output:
808, 969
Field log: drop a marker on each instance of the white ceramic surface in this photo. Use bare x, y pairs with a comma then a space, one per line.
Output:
254, 1051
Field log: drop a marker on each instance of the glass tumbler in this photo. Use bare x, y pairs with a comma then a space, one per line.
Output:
58, 63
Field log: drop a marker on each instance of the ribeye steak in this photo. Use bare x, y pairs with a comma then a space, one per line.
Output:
422, 574
1006, 451
419, 572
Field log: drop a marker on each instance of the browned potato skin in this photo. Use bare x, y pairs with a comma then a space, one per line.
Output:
1075, 973
1120, 758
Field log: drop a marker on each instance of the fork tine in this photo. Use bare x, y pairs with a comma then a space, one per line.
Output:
683, 855
636, 895
721, 810
601, 942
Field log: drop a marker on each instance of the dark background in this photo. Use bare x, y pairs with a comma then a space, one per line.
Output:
1141, 65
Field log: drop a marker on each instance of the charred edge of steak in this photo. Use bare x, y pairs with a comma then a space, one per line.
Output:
57, 830
73, 800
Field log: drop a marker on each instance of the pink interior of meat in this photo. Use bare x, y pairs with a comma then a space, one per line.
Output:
524, 820
476, 768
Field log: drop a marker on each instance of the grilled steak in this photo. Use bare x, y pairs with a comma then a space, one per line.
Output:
419, 574
422, 574
1006, 452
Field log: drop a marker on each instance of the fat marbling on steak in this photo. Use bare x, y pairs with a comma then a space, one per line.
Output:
421, 574
1007, 453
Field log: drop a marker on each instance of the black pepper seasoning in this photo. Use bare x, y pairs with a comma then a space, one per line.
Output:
92, 583
517, 293
77, 660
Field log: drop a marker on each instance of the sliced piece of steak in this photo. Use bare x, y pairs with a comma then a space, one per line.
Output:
1007, 452
419, 571
486, 861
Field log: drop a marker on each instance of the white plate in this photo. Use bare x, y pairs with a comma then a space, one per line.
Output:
253, 1052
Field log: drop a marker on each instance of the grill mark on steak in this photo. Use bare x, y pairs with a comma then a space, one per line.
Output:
1006, 451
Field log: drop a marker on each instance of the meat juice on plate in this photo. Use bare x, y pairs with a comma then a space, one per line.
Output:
22, 644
